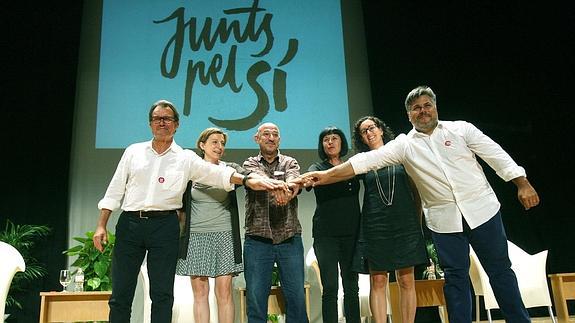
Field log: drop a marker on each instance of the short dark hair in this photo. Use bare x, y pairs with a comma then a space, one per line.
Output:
164, 104
330, 131
358, 143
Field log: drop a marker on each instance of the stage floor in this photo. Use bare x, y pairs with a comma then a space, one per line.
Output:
536, 320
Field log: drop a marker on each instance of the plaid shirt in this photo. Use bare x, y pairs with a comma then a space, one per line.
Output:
264, 218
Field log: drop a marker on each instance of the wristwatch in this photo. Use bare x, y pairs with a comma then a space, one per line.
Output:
244, 180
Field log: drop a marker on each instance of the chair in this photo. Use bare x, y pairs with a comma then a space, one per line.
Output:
12, 262
182, 311
531, 278
364, 283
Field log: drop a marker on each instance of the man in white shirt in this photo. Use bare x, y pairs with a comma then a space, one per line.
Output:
148, 185
460, 206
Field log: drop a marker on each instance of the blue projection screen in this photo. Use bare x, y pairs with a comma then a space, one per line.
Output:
229, 64
283, 62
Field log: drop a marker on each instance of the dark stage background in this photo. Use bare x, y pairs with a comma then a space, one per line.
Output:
505, 66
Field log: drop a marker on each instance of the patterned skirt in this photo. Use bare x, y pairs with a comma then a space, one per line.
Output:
210, 254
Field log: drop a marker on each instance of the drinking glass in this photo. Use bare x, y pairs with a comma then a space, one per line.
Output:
65, 278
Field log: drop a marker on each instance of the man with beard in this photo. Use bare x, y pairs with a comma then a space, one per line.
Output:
273, 232
461, 208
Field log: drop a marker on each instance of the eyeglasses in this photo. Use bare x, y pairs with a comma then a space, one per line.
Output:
158, 120
268, 134
331, 138
371, 128
425, 107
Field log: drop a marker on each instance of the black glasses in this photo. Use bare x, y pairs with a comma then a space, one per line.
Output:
158, 120
370, 129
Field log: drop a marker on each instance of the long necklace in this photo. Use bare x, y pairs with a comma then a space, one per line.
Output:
390, 186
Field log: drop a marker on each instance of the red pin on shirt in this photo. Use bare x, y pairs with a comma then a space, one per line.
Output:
161, 180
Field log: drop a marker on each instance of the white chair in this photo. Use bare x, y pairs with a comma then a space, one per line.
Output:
12, 262
531, 278
364, 283
182, 311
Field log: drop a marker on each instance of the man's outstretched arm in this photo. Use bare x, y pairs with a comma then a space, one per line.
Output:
526, 194
335, 174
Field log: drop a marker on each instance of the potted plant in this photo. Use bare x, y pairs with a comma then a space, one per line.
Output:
96, 265
274, 318
24, 237
434, 270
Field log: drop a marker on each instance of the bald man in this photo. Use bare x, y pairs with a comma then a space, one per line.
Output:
273, 232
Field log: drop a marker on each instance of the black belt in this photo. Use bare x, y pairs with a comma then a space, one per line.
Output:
150, 214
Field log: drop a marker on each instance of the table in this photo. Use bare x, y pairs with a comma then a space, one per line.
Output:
74, 306
428, 293
563, 286
276, 304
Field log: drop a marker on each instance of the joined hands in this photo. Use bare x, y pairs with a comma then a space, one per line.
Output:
281, 191
311, 179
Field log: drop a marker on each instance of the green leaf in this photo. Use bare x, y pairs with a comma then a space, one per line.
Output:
72, 251
94, 283
101, 268
25, 238
94, 255
95, 264
106, 286
81, 240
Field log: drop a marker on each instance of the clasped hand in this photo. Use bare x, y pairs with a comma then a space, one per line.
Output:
309, 179
281, 192
286, 193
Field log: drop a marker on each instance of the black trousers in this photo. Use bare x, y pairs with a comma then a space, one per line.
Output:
331, 252
158, 236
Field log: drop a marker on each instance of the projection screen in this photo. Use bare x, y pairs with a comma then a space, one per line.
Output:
229, 64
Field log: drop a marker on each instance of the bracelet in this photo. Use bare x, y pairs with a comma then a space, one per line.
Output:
244, 180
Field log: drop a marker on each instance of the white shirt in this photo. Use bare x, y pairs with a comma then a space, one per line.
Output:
147, 181
449, 179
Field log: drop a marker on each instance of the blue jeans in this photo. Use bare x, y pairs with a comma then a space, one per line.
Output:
490, 244
259, 257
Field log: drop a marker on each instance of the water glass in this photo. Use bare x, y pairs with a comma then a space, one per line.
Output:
65, 278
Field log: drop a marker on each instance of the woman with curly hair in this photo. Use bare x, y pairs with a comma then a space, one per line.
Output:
391, 224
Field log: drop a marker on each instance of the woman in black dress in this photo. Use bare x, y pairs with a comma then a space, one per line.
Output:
335, 227
391, 224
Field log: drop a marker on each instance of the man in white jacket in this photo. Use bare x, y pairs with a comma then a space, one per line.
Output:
460, 206
148, 185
